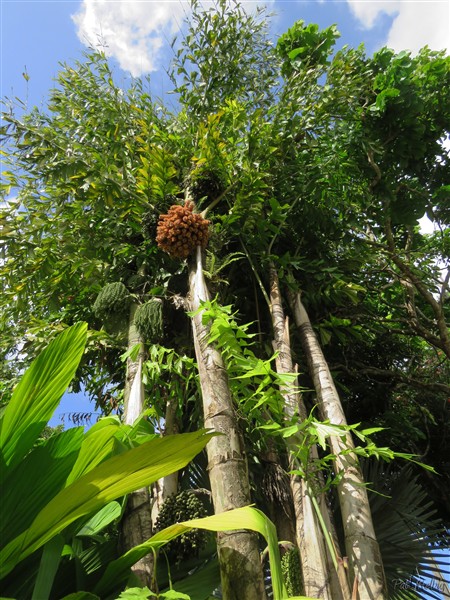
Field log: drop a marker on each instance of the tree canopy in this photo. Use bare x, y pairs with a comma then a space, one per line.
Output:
312, 163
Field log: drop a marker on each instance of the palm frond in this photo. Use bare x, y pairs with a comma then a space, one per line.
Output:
408, 532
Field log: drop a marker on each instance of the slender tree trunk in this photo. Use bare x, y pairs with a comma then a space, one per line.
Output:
362, 548
136, 523
240, 564
316, 571
166, 486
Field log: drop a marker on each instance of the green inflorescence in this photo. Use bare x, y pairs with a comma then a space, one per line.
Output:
290, 567
176, 509
112, 301
149, 321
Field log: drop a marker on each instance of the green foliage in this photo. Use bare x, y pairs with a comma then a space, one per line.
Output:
237, 519
216, 63
38, 394
172, 377
291, 569
305, 46
65, 486
177, 508
145, 593
310, 433
326, 173
75, 165
148, 320
253, 380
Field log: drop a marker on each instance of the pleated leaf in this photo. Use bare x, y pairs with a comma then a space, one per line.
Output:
113, 478
38, 394
30, 486
102, 519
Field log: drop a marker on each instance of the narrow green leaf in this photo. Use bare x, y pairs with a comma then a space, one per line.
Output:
102, 519
48, 567
371, 430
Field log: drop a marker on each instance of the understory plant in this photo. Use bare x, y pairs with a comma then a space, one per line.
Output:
62, 494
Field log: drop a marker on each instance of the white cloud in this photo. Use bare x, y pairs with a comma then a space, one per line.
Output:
135, 31
131, 31
416, 23
367, 11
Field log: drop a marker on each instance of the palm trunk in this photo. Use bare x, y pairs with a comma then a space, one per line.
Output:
366, 566
240, 565
317, 575
136, 523
166, 486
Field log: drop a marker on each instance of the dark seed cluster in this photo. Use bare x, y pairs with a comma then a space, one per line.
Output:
206, 183
150, 216
176, 509
180, 231
149, 224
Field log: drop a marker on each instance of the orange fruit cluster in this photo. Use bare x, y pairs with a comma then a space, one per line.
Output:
180, 231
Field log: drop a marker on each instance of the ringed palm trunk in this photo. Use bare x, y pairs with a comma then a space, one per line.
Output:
240, 564
136, 524
366, 566
320, 579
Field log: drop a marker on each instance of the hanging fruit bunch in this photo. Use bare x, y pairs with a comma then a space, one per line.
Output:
180, 231
184, 506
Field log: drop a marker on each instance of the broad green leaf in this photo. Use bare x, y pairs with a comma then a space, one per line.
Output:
201, 584
144, 593
240, 518
294, 53
289, 431
132, 353
326, 430
115, 477
135, 593
96, 447
38, 394
41, 475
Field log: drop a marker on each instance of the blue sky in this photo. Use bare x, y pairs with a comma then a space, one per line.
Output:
38, 35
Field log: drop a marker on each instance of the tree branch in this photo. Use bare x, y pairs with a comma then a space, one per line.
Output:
411, 282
